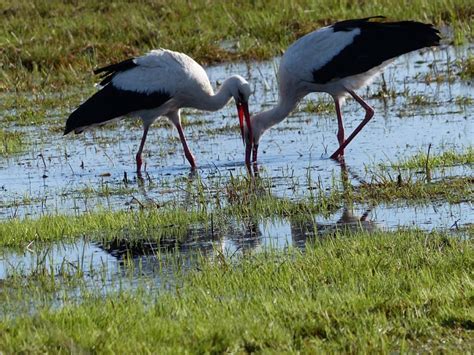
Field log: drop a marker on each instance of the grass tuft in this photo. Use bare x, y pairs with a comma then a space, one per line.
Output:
11, 142
445, 159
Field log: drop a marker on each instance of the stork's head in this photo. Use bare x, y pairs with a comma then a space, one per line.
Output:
240, 90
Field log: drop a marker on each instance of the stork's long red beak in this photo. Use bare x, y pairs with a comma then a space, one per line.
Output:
240, 112
243, 112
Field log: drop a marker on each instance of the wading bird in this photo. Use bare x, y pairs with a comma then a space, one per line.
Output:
338, 60
159, 83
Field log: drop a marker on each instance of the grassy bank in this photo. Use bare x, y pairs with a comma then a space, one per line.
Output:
11, 142
444, 159
239, 200
397, 292
42, 47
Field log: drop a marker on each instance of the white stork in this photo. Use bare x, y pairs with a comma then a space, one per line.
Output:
338, 59
157, 84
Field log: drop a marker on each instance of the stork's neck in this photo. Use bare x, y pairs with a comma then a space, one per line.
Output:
219, 99
266, 119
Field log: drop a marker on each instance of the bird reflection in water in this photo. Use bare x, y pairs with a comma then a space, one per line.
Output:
235, 237
347, 224
148, 255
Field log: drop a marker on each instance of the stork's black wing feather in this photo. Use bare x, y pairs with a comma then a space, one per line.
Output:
111, 102
348, 25
376, 43
107, 73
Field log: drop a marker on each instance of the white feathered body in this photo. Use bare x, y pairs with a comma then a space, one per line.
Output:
340, 58
156, 84
312, 52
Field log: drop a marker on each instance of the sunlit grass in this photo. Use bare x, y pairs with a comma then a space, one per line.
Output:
208, 206
321, 106
389, 292
406, 291
453, 190
466, 68
11, 142
107, 224
52, 50
444, 159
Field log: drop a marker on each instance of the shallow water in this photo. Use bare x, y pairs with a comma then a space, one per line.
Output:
53, 175
107, 266
74, 174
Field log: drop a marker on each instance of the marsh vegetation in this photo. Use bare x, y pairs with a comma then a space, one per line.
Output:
371, 255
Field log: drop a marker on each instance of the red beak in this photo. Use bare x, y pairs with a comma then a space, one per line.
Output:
243, 112
240, 112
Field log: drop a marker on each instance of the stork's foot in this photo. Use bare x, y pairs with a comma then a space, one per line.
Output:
338, 155
192, 161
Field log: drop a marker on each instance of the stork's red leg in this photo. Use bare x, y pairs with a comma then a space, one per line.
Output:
369, 113
340, 125
187, 152
248, 154
251, 152
254, 153
140, 149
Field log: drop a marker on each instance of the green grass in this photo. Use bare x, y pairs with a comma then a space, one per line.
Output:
321, 106
445, 159
452, 190
466, 68
238, 200
35, 115
42, 47
105, 190
105, 224
384, 293
26, 109
11, 142
420, 100
464, 100
150, 222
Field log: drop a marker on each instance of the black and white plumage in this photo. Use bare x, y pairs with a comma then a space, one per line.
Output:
339, 59
159, 83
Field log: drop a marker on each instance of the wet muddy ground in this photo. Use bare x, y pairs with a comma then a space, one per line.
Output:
418, 102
